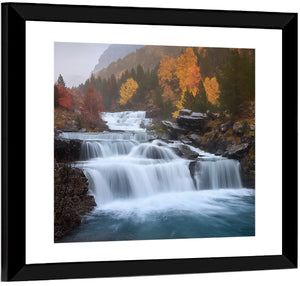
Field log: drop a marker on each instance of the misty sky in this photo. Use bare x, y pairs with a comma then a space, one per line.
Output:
76, 61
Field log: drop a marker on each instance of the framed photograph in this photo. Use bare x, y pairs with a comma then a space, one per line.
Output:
147, 141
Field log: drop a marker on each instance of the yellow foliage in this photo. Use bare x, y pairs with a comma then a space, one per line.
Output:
166, 70
127, 90
179, 106
188, 72
169, 93
212, 90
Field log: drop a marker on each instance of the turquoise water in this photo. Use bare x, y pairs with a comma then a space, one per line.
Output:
145, 190
191, 214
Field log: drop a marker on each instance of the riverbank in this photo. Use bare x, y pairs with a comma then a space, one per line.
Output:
220, 135
71, 202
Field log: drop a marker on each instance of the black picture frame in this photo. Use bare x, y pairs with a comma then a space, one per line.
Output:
14, 17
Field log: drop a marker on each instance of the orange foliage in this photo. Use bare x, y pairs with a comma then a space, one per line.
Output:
65, 97
212, 90
200, 49
188, 72
166, 70
92, 106
169, 93
193, 79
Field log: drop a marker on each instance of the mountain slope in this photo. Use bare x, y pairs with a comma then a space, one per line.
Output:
148, 57
113, 53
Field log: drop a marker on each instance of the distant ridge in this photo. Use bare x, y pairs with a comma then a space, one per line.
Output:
113, 53
147, 56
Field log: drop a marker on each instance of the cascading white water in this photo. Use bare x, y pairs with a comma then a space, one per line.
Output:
219, 174
145, 190
126, 120
130, 177
125, 165
95, 149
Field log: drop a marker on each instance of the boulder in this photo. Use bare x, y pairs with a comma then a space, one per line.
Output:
195, 138
212, 116
185, 152
196, 121
236, 151
174, 129
238, 128
248, 139
184, 139
185, 112
225, 126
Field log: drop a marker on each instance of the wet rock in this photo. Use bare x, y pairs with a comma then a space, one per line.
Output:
238, 128
174, 129
185, 112
185, 152
237, 151
71, 201
184, 139
195, 138
225, 126
195, 121
66, 150
248, 139
212, 116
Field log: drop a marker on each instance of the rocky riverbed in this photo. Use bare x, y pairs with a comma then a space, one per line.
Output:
220, 135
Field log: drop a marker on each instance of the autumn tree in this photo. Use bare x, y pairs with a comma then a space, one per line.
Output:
167, 78
188, 72
212, 90
127, 90
199, 102
64, 97
92, 106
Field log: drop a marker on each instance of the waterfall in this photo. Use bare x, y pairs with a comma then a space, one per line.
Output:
219, 174
95, 149
132, 164
127, 120
146, 188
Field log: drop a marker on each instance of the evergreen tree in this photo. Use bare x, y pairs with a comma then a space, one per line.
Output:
168, 109
189, 100
60, 81
237, 81
201, 102
139, 73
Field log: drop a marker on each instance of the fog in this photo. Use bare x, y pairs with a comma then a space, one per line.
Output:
76, 61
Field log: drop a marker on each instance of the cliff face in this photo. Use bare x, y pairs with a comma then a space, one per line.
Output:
71, 199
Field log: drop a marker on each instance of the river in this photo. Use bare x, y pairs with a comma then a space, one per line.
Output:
144, 190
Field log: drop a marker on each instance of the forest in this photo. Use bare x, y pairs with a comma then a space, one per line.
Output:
195, 78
